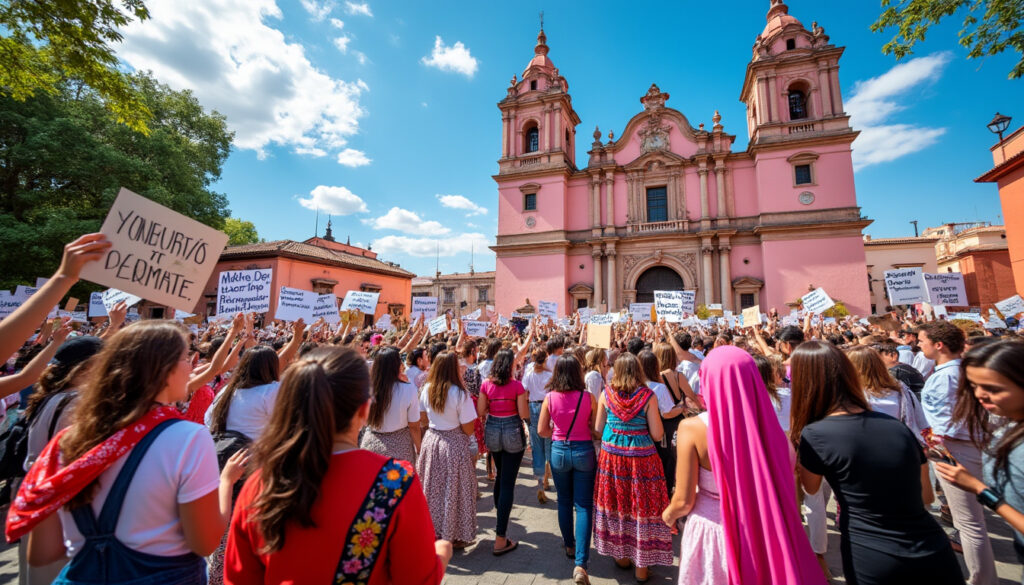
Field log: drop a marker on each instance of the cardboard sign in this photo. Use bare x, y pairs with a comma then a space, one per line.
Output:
476, 328
243, 291
158, 254
363, 301
327, 307
112, 296
668, 304
547, 309
1011, 307
751, 316
946, 289
715, 310
906, 286
294, 304
71, 304
599, 335
817, 301
96, 306
425, 306
438, 325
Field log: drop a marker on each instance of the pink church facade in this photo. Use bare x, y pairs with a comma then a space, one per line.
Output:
668, 206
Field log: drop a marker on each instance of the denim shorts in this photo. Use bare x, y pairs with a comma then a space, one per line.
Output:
504, 433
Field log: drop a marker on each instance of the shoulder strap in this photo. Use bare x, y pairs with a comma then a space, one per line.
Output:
64, 401
672, 385
579, 403
368, 533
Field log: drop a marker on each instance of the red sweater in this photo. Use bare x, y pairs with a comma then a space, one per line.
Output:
311, 555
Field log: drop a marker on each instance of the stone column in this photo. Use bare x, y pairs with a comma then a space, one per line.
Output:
545, 131
837, 96
708, 284
773, 99
598, 280
677, 179
720, 187
613, 284
506, 128
609, 188
826, 90
723, 256
558, 128
703, 172
763, 111
595, 201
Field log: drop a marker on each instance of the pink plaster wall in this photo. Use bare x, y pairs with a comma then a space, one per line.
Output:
550, 214
737, 269
678, 142
578, 205
832, 174
744, 189
539, 278
835, 264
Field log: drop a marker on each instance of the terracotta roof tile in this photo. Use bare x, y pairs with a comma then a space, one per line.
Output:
307, 251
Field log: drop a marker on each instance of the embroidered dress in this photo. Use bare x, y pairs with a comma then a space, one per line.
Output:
630, 495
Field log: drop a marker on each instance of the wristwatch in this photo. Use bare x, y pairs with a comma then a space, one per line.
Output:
990, 498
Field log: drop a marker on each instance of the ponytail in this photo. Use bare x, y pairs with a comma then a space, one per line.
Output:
319, 396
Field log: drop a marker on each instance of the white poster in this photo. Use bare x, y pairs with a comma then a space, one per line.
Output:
906, 286
604, 319
327, 307
40, 281
669, 305
946, 289
8, 303
112, 296
182, 315
475, 315
438, 325
689, 300
294, 304
96, 306
547, 309
476, 328
940, 311
585, 313
23, 292
243, 291
817, 301
1011, 307
640, 311
360, 300
385, 322
425, 306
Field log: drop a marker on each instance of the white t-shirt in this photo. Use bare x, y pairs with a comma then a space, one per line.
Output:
485, 369
535, 383
890, 404
179, 467
665, 400
250, 409
404, 408
412, 372
782, 407
692, 372
595, 383
458, 409
923, 364
550, 362
39, 430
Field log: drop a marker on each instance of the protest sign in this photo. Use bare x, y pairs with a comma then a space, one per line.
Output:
243, 291
976, 317
502, 320
294, 304
423, 306
157, 254
715, 310
23, 292
599, 335
668, 304
751, 316
547, 309
906, 286
472, 316
327, 307
940, 311
182, 315
438, 325
1011, 307
112, 296
640, 311
476, 328
364, 301
8, 303
585, 313
40, 281
995, 323
385, 322
817, 301
75, 316
946, 289
603, 319
71, 304
689, 300
96, 306
790, 320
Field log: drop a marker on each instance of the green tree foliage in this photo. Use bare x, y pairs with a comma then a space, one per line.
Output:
989, 28
45, 42
240, 232
63, 158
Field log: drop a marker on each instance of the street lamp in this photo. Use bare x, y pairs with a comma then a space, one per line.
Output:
998, 125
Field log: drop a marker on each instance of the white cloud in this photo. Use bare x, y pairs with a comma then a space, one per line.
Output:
351, 157
358, 8
460, 202
318, 10
334, 200
314, 152
361, 57
455, 58
403, 220
427, 247
338, 24
424, 104
875, 100
342, 43
236, 63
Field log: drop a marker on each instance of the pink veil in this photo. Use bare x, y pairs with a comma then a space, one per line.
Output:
765, 542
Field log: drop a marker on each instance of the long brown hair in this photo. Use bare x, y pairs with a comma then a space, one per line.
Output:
259, 365
54, 379
766, 368
874, 376
444, 373
568, 375
628, 376
666, 354
540, 356
824, 381
649, 366
387, 366
320, 394
596, 357
129, 372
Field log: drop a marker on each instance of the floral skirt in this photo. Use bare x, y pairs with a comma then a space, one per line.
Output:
449, 483
629, 497
397, 444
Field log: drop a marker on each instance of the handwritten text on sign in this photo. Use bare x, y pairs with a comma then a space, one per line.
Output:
946, 289
327, 307
547, 309
360, 300
157, 254
294, 304
817, 301
112, 296
476, 328
243, 291
426, 306
906, 286
669, 305
640, 311
1011, 307
438, 325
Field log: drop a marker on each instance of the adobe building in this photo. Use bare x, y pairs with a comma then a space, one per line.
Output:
1008, 175
884, 254
462, 292
979, 250
666, 205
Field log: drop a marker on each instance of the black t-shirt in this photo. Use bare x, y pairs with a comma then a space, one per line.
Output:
873, 464
909, 376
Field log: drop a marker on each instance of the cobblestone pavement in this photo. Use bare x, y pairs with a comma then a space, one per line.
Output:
540, 560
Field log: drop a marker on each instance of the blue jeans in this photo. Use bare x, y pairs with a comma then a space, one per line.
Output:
541, 447
574, 468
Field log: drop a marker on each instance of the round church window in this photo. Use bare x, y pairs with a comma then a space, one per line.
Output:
806, 198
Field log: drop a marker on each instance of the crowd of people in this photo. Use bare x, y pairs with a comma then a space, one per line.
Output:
268, 452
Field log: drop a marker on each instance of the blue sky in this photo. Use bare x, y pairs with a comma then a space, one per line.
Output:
384, 112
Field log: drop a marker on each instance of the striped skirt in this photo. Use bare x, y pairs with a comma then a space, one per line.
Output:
449, 483
397, 444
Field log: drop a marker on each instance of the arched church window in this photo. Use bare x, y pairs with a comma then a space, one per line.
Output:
532, 140
797, 105
568, 140
533, 84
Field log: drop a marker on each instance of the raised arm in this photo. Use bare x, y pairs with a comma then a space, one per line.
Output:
292, 347
31, 372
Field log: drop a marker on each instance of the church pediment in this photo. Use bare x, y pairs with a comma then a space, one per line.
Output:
655, 160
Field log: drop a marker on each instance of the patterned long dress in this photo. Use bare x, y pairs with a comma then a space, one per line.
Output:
630, 494
472, 381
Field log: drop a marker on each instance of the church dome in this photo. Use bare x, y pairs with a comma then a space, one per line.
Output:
778, 18
540, 57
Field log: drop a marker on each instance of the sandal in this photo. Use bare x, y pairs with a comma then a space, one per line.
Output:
511, 546
542, 497
579, 576
461, 544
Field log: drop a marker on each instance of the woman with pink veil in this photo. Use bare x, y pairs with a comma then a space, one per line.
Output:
735, 481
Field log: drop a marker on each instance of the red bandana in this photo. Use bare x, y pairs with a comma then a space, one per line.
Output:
47, 486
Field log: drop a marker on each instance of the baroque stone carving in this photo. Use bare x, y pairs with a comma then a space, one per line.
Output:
631, 260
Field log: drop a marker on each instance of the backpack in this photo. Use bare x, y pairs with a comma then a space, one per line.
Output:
227, 444
14, 445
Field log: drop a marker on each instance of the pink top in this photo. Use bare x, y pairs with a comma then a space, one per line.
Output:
562, 405
501, 400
